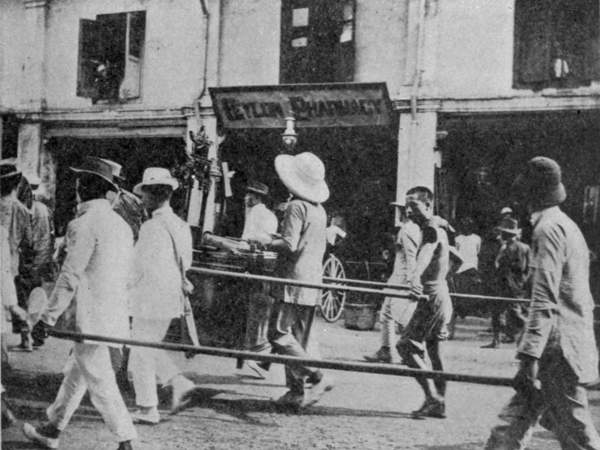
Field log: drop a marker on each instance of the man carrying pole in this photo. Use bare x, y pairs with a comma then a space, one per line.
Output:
557, 352
428, 326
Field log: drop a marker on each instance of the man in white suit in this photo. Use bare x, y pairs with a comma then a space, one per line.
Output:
92, 289
163, 253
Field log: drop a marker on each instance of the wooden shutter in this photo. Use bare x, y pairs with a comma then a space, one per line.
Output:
136, 26
532, 42
345, 44
89, 57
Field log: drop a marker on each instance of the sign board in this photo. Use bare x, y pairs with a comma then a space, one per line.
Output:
312, 105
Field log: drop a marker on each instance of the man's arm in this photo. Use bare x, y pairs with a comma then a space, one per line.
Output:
425, 255
291, 230
80, 246
547, 266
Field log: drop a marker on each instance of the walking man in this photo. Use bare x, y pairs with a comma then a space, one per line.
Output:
512, 265
16, 219
557, 352
428, 327
396, 310
92, 289
259, 227
301, 247
163, 253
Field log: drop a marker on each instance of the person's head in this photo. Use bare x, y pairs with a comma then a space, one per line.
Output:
540, 185
10, 178
156, 195
91, 187
419, 204
156, 188
94, 179
256, 193
509, 229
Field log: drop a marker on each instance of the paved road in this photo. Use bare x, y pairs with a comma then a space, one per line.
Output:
362, 412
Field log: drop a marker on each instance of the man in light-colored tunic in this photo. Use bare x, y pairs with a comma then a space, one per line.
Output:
557, 353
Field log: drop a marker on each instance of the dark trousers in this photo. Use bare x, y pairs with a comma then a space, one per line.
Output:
291, 336
561, 405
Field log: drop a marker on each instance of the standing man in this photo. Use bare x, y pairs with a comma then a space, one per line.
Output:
428, 327
301, 247
512, 266
557, 353
92, 286
16, 219
163, 254
396, 310
260, 226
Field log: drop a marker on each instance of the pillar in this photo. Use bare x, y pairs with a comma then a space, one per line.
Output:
34, 48
416, 152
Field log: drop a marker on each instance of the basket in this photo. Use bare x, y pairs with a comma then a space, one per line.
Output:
360, 316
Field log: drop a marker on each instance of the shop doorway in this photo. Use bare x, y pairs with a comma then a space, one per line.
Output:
361, 166
133, 154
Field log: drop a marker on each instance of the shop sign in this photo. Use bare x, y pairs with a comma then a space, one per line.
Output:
312, 105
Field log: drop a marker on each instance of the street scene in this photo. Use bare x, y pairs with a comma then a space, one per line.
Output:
291, 224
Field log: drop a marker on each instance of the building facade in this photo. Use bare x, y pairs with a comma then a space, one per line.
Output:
476, 88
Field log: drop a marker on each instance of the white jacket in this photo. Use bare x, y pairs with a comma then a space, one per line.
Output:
95, 273
156, 292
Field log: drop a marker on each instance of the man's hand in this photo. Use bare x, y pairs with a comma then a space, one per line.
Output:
526, 379
40, 331
416, 292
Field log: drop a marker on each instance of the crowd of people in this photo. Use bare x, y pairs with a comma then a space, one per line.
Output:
121, 272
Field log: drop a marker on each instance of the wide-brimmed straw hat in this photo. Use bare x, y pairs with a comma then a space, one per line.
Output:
96, 166
257, 187
303, 175
541, 182
509, 226
156, 176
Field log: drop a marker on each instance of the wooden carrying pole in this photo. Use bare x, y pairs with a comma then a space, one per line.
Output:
350, 366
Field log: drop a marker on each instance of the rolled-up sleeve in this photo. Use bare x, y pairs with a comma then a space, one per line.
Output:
546, 266
80, 246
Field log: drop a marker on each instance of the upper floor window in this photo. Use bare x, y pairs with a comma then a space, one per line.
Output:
317, 41
111, 50
556, 43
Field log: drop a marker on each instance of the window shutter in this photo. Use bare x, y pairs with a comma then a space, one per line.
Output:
532, 54
89, 57
295, 41
136, 25
345, 50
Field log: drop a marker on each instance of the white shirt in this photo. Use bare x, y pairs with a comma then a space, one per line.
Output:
157, 287
93, 278
469, 247
260, 224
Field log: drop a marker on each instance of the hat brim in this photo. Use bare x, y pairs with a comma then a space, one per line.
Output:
284, 166
91, 172
509, 230
522, 187
257, 191
137, 190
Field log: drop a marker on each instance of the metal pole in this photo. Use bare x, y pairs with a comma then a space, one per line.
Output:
384, 369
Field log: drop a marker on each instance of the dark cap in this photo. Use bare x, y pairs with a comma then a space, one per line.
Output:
509, 225
541, 182
8, 171
257, 187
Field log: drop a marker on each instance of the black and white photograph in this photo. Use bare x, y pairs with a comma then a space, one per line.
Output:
300, 224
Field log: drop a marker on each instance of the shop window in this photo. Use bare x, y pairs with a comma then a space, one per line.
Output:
111, 51
556, 43
317, 41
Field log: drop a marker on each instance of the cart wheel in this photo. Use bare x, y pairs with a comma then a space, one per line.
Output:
332, 302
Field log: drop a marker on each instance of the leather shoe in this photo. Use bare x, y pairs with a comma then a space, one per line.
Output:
291, 400
383, 355
431, 408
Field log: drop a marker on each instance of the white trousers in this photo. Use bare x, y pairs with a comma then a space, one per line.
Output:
149, 365
395, 311
89, 369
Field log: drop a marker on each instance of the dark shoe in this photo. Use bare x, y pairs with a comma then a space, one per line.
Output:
508, 340
26, 344
383, 355
44, 435
431, 408
291, 400
125, 445
493, 344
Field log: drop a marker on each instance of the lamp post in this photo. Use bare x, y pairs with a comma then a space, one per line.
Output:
289, 136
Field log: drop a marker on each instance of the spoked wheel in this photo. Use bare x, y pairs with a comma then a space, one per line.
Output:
332, 302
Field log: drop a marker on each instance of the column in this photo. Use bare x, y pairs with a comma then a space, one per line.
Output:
416, 152
34, 53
